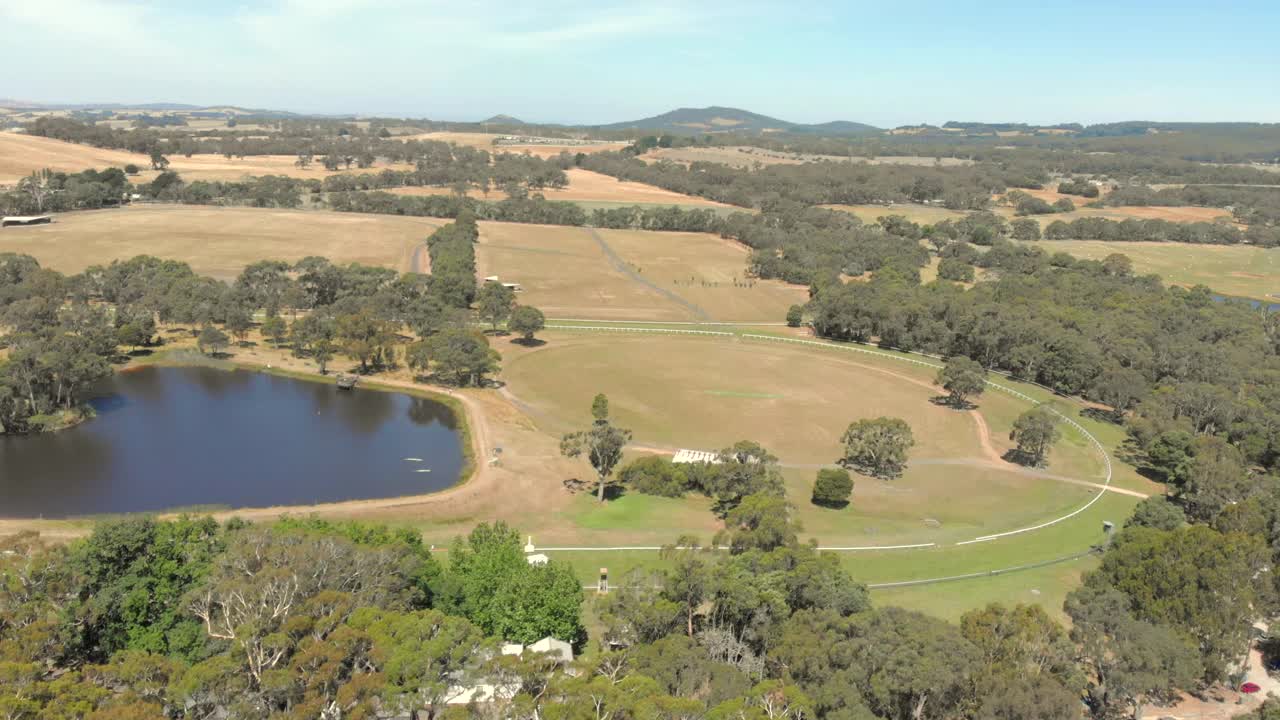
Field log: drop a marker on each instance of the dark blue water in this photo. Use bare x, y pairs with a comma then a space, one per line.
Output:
176, 437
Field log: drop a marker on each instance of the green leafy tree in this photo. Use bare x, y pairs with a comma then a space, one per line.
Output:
494, 302
275, 329
602, 444
425, 657
1201, 583
795, 316
541, 601
744, 468
760, 522
1035, 432
1128, 660
833, 487
462, 356
238, 323
962, 378
1025, 229
1157, 512
877, 447
212, 340
526, 321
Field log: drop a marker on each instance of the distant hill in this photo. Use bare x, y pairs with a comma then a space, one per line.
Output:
503, 120
691, 121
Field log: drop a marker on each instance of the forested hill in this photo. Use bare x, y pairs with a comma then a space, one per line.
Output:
726, 119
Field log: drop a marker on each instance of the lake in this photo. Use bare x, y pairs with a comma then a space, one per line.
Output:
171, 437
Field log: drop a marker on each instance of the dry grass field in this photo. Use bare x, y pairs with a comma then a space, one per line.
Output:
588, 186
1238, 270
746, 156
484, 141
659, 276
219, 241
21, 154
708, 393
927, 214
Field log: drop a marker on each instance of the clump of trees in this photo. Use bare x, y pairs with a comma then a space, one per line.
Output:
877, 446
1078, 186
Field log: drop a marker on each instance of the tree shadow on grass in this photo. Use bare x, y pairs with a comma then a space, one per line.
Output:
946, 401
1025, 459
1103, 416
830, 505
529, 343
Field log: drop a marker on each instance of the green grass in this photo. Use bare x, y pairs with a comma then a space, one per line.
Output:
1046, 586
1237, 270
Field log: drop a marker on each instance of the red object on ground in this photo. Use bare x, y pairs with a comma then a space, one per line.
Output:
1250, 688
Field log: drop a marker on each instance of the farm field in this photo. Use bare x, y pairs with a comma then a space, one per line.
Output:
21, 154
585, 185
219, 241
747, 156
1237, 270
928, 214
660, 276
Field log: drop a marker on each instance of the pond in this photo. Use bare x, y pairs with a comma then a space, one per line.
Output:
172, 437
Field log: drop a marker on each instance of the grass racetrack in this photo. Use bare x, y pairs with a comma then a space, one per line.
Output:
705, 394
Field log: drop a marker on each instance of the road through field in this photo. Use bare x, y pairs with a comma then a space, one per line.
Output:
622, 267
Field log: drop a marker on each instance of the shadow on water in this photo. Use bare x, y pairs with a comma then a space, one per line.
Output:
198, 436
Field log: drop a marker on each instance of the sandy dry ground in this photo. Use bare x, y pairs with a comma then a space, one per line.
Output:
585, 185
220, 241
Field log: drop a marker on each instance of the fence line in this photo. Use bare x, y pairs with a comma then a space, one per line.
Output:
1106, 458
851, 548
672, 331
985, 573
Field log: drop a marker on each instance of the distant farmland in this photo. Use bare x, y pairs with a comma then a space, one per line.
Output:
588, 186
22, 154
1238, 270
746, 156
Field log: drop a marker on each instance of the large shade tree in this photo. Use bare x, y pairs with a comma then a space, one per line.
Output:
602, 443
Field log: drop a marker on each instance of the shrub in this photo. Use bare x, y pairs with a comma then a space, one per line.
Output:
955, 269
833, 487
654, 475
795, 315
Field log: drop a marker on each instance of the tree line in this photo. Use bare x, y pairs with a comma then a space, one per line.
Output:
62, 333
309, 618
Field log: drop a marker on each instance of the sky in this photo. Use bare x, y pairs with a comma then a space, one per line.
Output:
601, 61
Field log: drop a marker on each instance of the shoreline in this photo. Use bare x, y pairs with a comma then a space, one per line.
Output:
472, 438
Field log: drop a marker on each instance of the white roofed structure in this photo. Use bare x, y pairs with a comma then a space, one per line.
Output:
696, 456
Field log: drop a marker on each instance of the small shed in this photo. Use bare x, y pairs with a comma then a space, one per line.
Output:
22, 220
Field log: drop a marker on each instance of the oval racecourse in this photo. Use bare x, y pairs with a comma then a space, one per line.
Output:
706, 393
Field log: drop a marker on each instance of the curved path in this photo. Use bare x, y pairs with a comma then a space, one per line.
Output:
1102, 488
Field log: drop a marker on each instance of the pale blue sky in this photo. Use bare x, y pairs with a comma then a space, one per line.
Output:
605, 61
